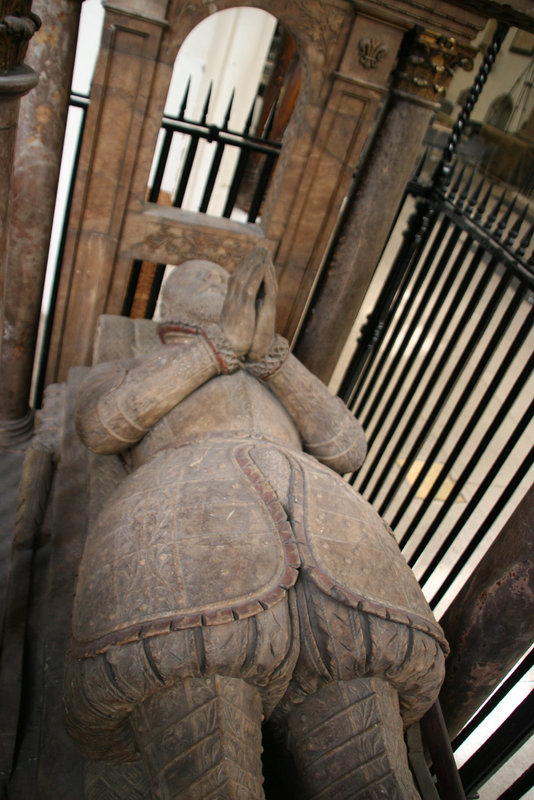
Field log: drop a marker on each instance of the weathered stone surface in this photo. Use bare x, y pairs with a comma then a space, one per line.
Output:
37, 159
220, 534
17, 26
424, 70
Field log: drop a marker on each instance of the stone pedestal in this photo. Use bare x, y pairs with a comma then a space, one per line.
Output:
37, 159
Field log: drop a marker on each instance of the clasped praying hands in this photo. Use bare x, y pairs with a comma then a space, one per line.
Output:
249, 310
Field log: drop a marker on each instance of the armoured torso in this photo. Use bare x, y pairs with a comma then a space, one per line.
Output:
227, 404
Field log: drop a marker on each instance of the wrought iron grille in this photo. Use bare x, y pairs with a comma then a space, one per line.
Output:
260, 152
441, 380
452, 331
265, 149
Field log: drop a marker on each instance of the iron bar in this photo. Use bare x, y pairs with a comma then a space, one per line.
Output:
186, 171
154, 291
439, 747
395, 337
223, 137
520, 787
481, 207
191, 153
361, 371
499, 694
421, 373
132, 287
461, 363
500, 746
420, 227
265, 174
240, 169
261, 188
181, 113
466, 196
216, 161
83, 103
496, 509
213, 134
160, 169
512, 308
442, 170
457, 371
79, 100
511, 259
454, 415
165, 149
403, 343
473, 461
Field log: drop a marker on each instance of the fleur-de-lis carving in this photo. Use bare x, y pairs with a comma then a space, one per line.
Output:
371, 52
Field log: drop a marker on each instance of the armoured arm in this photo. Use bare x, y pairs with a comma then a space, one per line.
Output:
119, 402
328, 429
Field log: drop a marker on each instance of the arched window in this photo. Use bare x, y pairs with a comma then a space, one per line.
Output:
234, 85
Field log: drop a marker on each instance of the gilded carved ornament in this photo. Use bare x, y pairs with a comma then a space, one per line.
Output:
429, 65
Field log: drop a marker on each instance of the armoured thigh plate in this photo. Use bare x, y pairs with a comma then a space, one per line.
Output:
199, 537
196, 537
189, 570
350, 553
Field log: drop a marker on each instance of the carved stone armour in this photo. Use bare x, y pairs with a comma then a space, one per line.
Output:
209, 508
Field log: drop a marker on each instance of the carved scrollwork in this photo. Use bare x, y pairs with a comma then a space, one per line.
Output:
371, 52
427, 64
321, 23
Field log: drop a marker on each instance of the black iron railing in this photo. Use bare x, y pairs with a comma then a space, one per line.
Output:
441, 380
425, 369
265, 150
259, 152
80, 102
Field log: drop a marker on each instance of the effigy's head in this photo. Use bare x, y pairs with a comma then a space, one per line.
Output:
193, 292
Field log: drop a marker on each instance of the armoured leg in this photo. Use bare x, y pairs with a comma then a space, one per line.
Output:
104, 780
347, 743
202, 739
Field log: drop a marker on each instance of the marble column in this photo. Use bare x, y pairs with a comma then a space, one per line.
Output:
41, 128
425, 67
17, 26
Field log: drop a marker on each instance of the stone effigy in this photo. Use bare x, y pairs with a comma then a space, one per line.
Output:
230, 574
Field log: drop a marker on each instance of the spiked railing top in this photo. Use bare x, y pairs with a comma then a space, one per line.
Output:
472, 204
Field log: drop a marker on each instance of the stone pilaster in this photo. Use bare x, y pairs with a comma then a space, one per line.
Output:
425, 67
119, 96
37, 160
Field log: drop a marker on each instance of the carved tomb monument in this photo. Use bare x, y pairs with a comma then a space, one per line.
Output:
230, 574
